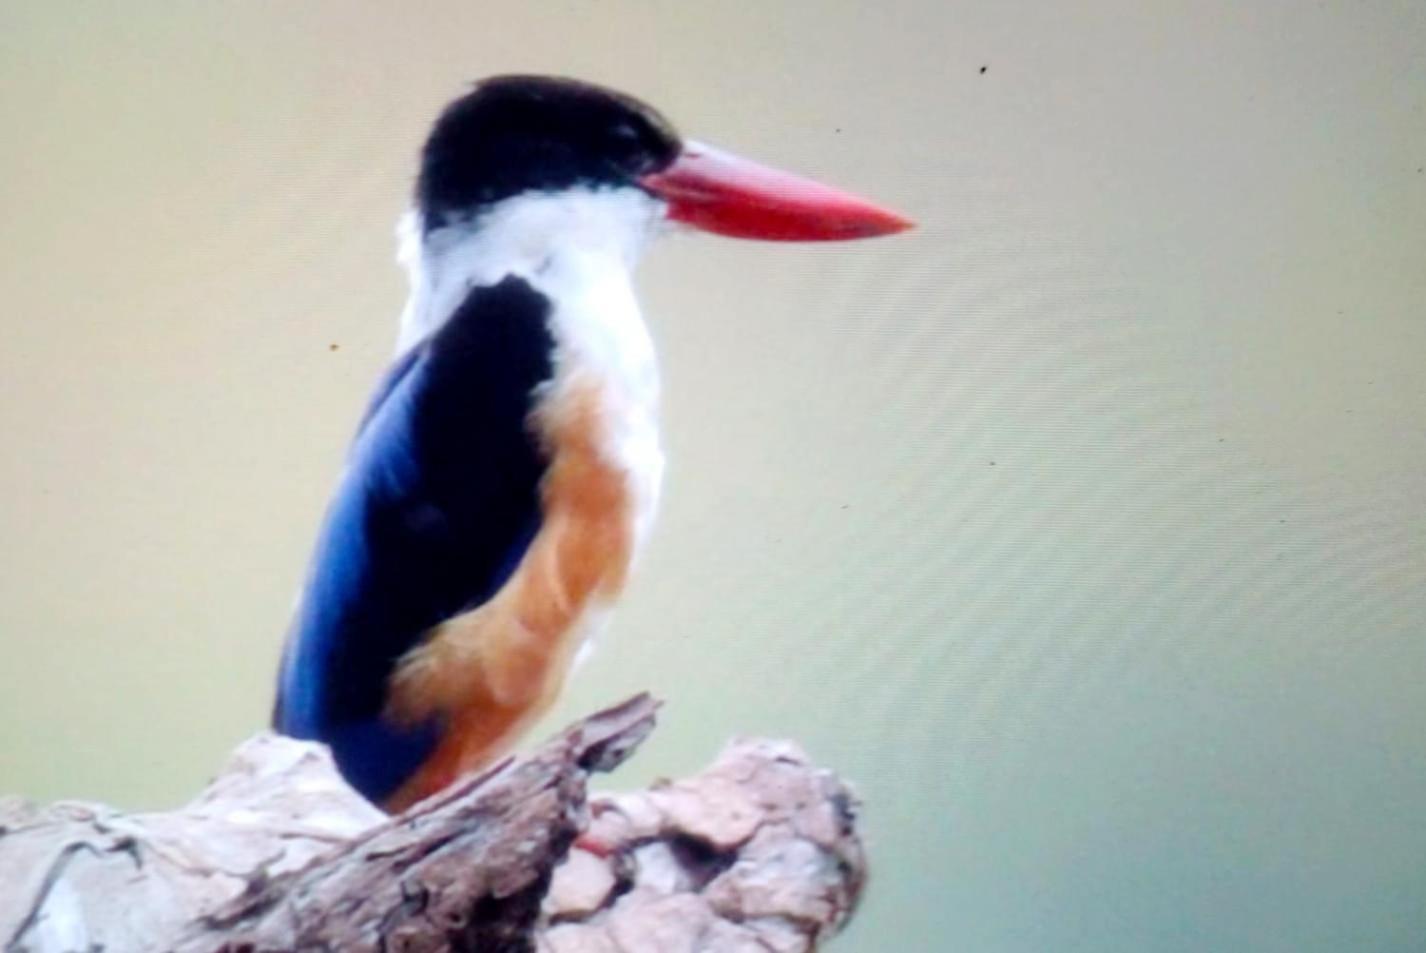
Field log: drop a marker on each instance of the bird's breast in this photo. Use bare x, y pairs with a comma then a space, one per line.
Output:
605, 362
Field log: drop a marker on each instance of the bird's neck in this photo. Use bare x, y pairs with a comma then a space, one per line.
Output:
578, 251
567, 245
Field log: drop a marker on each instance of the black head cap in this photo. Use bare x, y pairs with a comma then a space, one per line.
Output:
514, 134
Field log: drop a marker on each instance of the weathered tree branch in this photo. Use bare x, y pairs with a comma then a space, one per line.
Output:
757, 853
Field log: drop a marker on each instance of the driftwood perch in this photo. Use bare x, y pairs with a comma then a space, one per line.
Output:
757, 853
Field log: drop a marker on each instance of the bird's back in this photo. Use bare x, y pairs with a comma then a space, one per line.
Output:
433, 513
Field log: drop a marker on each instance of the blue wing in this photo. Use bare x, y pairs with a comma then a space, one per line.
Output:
438, 503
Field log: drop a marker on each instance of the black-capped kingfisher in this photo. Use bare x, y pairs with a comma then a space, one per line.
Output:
507, 469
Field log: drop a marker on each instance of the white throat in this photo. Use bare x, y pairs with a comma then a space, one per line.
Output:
548, 239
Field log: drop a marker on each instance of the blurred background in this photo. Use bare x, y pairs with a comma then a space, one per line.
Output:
1081, 528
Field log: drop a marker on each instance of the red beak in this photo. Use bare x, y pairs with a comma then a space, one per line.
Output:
722, 193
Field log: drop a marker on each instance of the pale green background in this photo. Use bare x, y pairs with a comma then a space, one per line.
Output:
1082, 528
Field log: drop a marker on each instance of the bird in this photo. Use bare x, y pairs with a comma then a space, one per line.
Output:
508, 466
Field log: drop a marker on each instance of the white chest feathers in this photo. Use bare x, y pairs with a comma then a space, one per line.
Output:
603, 345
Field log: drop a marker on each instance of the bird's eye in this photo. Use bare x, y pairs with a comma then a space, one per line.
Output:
625, 133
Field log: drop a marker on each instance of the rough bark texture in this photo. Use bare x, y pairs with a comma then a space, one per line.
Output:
757, 853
